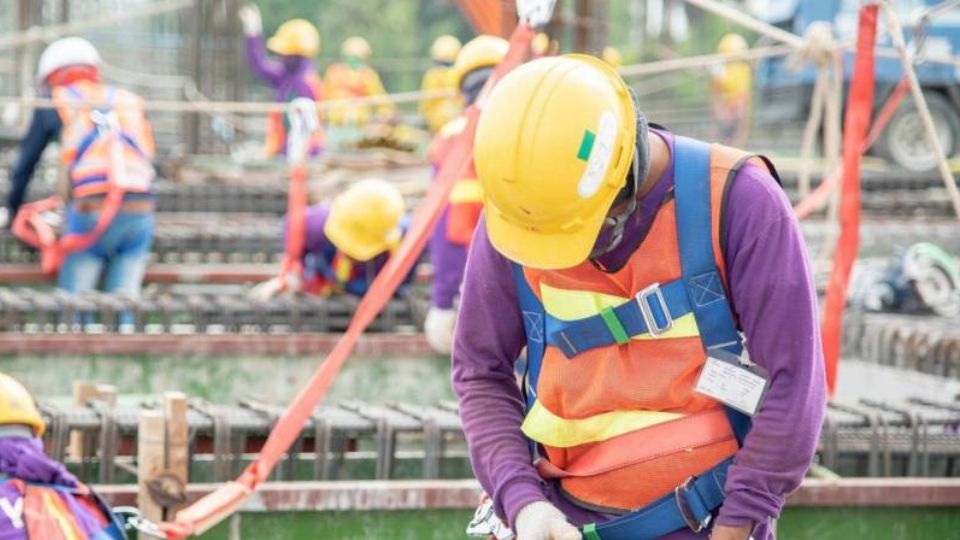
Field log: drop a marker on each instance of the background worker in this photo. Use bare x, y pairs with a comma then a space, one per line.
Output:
69, 70
730, 87
293, 75
592, 254
348, 241
437, 111
451, 237
349, 78
39, 498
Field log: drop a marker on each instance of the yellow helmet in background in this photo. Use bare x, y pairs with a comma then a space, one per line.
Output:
540, 44
445, 49
17, 406
480, 52
732, 43
357, 47
364, 220
296, 37
553, 147
612, 56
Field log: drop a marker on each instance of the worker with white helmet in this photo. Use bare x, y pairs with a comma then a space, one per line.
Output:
450, 239
293, 75
39, 498
106, 145
348, 240
352, 77
636, 268
437, 111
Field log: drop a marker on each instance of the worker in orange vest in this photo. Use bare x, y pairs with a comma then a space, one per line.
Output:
292, 76
637, 269
352, 77
39, 498
105, 142
437, 111
451, 237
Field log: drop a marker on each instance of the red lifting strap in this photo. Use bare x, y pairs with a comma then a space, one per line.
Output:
218, 505
296, 222
30, 227
859, 109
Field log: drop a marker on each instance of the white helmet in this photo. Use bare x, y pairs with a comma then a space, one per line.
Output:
70, 51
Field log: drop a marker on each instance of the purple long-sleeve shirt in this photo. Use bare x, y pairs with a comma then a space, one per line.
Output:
287, 76
772, 293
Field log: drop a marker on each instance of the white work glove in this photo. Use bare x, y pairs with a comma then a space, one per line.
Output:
439, 329
273, 287
535, 13
250, 19
542, 521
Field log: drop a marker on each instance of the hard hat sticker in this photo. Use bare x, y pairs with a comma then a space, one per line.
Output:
596, 150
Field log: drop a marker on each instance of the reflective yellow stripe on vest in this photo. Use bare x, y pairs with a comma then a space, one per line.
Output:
543, 426
568, 305
467, 190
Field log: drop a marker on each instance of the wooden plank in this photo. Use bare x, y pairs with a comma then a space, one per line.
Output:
150, 458
177, 449
83, 392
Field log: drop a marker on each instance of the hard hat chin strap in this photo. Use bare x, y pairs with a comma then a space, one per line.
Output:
625, 204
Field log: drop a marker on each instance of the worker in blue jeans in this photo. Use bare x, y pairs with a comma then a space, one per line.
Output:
107, 146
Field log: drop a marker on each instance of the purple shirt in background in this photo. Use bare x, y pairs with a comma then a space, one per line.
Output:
288, 76
448, 260
772, 293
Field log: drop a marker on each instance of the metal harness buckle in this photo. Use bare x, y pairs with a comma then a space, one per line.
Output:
643, 300
680, 493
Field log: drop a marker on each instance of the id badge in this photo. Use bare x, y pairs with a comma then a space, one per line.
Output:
736, 384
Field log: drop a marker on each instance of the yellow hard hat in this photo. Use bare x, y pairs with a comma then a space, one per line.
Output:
732, 43
355, 46
445, 49
296, 37
17, 406
553, 147
480, 52
612, 56
364, 220
540, 44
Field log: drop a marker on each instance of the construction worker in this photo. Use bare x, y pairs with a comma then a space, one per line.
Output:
39, 498
353, 78
437, 111
292, 76
347, 241
89, 118
451, 237
730, 87
627, 261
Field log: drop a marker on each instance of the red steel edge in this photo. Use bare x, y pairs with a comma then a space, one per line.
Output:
207, 345
464, 494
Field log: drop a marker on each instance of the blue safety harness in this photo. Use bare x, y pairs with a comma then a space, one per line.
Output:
699, 291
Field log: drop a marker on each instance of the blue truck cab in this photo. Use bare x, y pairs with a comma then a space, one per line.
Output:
784, 94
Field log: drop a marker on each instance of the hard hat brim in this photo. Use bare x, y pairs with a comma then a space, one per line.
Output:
286, 47
358, 249
543, 251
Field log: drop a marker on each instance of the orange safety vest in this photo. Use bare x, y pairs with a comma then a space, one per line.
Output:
343, 82
618, 423
87, 154
466, 198
276, 136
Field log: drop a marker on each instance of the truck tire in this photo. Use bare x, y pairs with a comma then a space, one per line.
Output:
903, 142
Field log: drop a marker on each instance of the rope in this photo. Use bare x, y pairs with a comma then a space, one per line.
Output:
747, 21
930, 131
702, 61
211, 107
51, 32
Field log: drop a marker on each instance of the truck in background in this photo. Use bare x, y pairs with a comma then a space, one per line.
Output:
783, 94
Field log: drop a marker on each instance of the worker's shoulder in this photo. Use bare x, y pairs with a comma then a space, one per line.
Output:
755, 193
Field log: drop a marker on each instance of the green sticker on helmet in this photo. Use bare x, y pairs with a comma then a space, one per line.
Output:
586, 145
